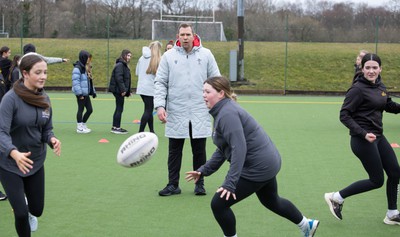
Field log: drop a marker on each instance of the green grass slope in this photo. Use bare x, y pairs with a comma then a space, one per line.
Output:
308, 66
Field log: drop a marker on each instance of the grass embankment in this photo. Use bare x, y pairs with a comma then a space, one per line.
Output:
309, 66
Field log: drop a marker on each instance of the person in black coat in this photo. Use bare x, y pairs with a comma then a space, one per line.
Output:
5, 62
120, 86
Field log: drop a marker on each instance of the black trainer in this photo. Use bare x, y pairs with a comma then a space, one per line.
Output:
118, 130
2, 196
334, 207
199, 190
169, 190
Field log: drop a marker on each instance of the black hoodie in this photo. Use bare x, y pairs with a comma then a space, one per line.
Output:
363, 106
83, 58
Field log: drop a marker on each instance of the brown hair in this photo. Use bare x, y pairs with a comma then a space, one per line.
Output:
4, 49
124, 53
220, 83
186, 25
171, 42
35, 98
14, 64
155, 59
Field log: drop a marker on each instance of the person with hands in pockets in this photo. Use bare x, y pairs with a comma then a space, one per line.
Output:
25, 131
254, 162
82, 87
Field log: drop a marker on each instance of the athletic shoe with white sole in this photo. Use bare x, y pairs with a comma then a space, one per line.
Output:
395, 220
118, 130
81, 128
334, 207
311, 228
33, 222
2, 196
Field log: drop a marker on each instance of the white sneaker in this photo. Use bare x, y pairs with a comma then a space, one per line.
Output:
312, 226
81, 128
88, 130
33, 222
394, 220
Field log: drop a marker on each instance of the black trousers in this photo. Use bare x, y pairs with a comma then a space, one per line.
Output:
16, 188
376, 158
175, 156
119, 108
147, 117
82, 104
267, 193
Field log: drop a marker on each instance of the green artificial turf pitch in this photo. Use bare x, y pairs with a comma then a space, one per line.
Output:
89, 194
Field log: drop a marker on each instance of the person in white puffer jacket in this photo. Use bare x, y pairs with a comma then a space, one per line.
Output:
179, 102
146, 70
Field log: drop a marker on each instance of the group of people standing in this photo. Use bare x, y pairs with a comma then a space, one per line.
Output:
185, 87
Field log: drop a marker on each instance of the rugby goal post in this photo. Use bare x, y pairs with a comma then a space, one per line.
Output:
205, 26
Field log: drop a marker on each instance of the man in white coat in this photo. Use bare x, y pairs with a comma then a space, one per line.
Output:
180, 105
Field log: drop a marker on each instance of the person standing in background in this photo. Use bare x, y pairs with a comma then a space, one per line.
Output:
30, 48
357, 64
120, 86
13, 76
82, 88
5, 62
179, 103
169, 45
146, 70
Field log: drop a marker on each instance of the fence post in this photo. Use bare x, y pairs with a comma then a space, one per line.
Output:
376, 34
286, 50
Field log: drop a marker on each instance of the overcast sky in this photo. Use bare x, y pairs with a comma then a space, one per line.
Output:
372, 3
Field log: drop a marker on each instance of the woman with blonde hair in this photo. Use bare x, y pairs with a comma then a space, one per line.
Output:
146, 70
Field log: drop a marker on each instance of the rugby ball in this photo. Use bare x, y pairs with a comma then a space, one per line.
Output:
137, 149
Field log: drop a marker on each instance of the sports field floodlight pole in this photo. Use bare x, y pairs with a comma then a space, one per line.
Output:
240, 62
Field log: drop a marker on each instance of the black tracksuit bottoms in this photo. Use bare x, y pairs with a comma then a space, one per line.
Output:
376, 158
175, 148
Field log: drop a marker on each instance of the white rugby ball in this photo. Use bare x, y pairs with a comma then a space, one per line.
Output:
137, 149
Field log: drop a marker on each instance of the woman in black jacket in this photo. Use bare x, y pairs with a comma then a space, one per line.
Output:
361, 113
120, 86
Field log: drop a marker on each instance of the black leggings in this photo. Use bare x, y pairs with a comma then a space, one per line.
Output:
119, 108
147, 117
82, 104
16, 188
376, 157
267, 193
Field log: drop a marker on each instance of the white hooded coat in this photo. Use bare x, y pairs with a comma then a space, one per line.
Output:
179, 89
145, 85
